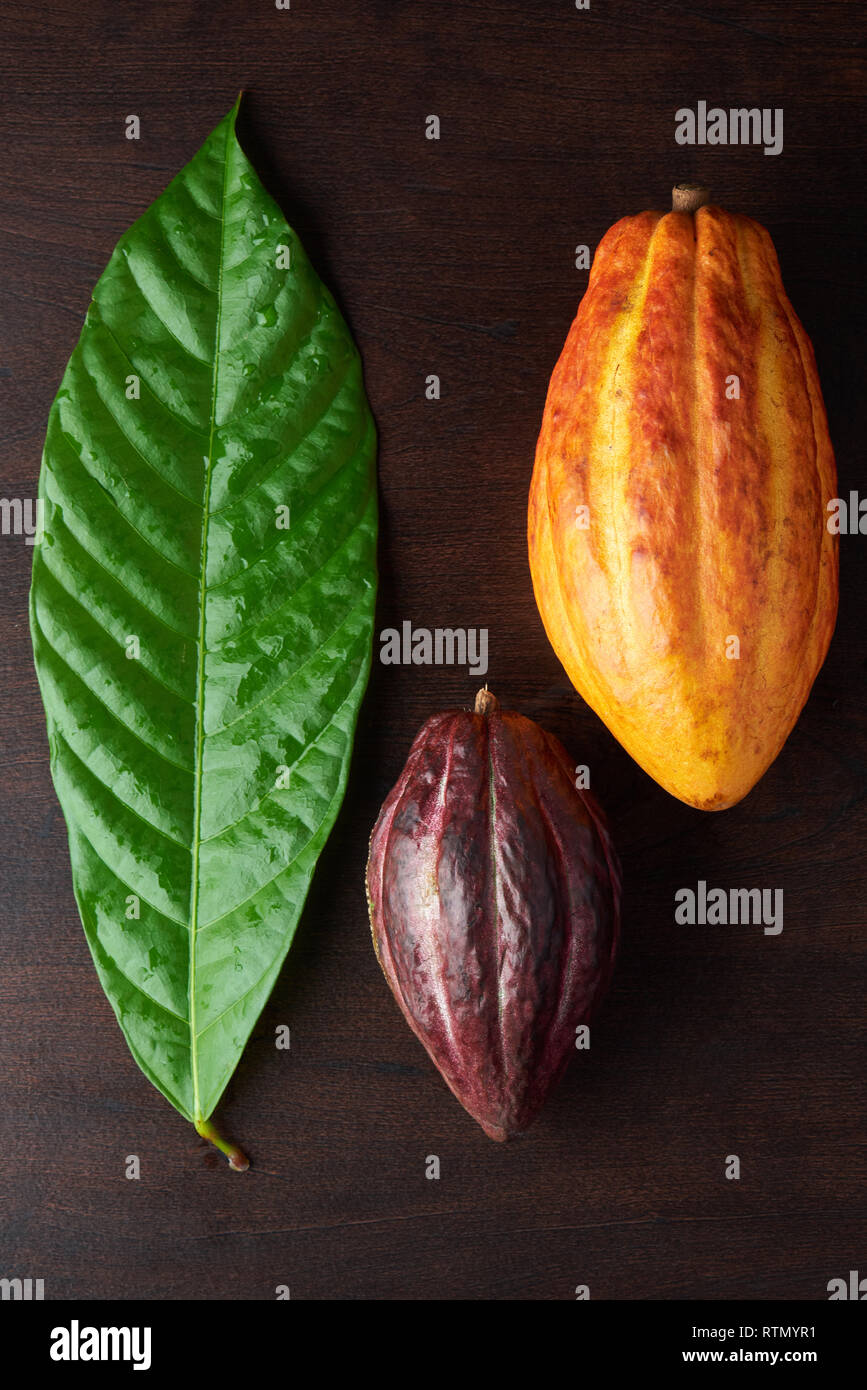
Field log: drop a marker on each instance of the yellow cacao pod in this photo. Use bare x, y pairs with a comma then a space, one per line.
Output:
679, 550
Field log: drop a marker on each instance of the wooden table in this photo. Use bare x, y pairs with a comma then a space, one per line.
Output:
454, 257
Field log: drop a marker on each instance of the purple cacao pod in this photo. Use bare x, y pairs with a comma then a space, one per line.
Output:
494, 896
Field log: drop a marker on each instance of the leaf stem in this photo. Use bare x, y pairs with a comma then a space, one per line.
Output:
238, 1160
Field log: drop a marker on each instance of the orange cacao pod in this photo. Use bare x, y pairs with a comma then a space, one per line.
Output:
679, 549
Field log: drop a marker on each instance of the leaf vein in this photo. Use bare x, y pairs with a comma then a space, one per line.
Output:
283, 685
286, 867
103, 400
167, 241
203, 361
137, 736
158, 830
172, 414
251, 810
157, 1003
136, 892
119, 582
166, 560
235, 1002
283, 457
237, 634
318, 498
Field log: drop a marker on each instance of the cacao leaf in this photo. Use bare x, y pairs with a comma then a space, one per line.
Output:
201, 661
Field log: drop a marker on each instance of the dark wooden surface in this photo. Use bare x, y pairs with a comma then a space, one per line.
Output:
457, 258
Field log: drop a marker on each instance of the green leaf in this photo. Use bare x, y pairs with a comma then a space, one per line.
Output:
201, 664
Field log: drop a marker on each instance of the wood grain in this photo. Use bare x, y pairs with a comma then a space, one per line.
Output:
453, 257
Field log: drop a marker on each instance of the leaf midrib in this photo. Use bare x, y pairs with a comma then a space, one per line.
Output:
200, 657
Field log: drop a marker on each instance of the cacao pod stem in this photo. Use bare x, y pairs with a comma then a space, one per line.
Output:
486, 703
689, 197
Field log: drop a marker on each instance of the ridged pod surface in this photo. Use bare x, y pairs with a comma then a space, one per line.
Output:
494, 896
679, 499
